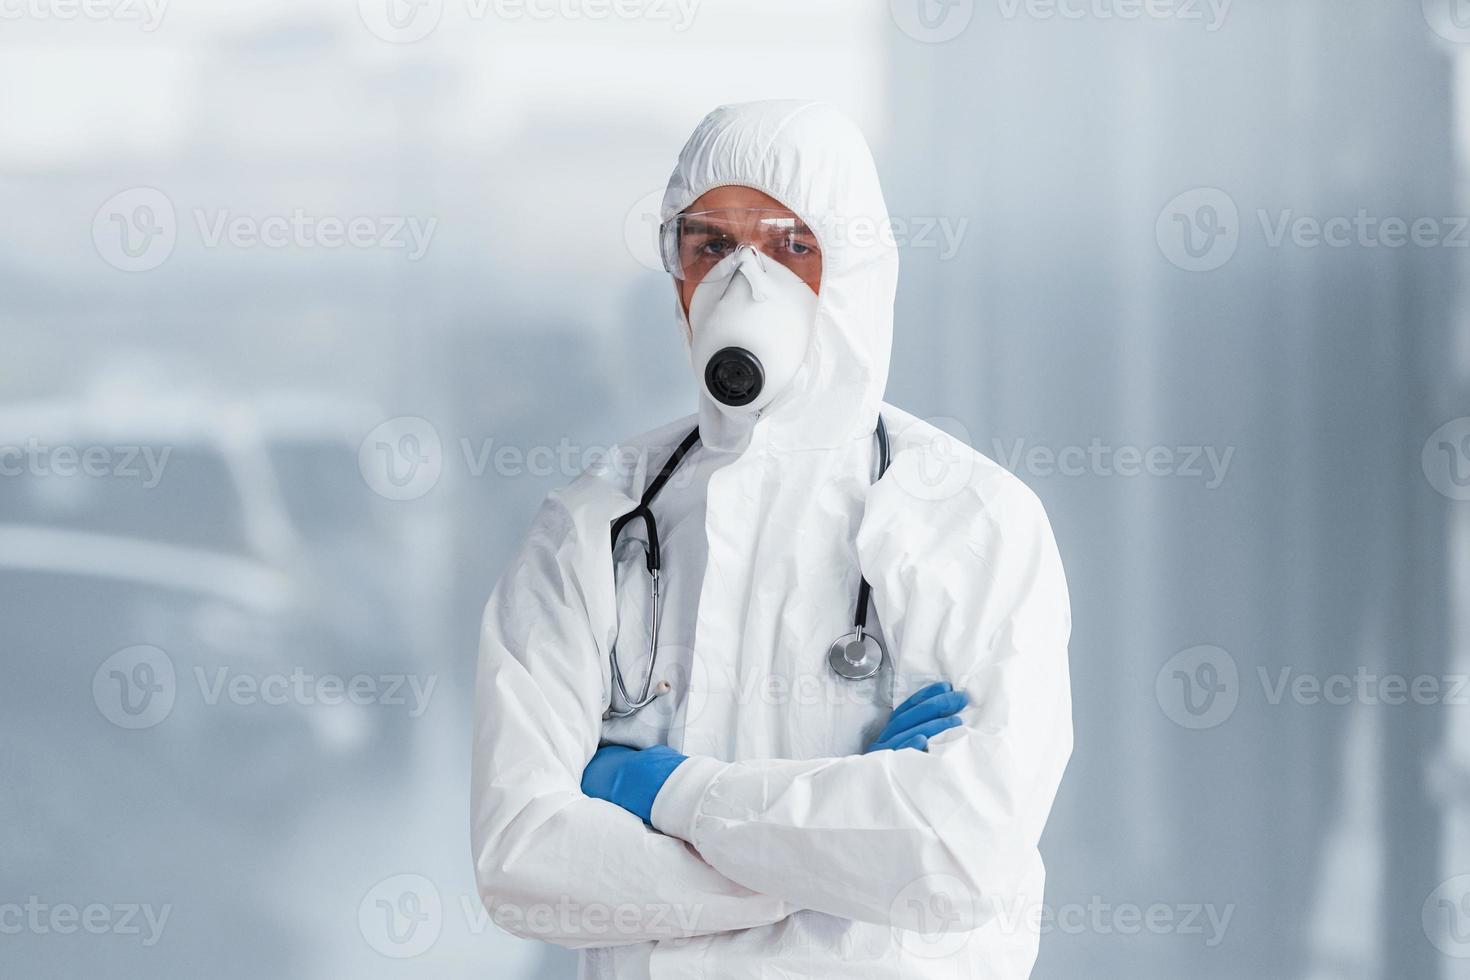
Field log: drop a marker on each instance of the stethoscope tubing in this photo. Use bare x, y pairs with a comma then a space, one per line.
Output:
653, 558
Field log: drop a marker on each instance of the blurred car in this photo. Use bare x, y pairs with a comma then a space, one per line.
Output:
237, 539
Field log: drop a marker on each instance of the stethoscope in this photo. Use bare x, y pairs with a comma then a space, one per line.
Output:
855, 655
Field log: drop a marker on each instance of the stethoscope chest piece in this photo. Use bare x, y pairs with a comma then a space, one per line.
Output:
856, 656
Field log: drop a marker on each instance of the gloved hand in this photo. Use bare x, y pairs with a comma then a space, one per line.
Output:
924, 715
630, 778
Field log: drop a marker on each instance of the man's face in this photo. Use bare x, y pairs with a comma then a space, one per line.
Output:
724, 218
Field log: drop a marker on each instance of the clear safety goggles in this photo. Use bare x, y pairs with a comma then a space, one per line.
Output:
694, 243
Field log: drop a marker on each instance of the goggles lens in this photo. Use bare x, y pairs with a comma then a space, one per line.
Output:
694, 243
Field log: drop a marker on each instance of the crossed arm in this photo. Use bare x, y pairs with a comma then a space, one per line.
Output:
746, 844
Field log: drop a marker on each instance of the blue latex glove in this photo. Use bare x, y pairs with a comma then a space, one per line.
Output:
630, 778
924, 715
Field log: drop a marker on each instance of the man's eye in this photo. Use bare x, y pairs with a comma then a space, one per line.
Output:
800, 248
716, 246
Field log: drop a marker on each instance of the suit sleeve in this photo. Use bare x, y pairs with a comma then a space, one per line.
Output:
551, 863
972, 588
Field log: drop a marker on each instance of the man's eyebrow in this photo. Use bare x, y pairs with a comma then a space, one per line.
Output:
702, 227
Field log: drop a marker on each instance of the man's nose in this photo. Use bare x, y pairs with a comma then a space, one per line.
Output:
751, 264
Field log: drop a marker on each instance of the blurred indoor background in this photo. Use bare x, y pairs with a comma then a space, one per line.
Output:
306, 304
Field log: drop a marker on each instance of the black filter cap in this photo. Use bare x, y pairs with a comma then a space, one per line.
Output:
734, 376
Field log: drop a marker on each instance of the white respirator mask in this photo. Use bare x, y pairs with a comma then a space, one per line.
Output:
751, 321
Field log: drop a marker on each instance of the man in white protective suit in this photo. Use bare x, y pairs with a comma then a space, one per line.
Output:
785, 697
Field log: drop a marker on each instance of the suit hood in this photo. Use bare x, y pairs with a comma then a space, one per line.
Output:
815, 161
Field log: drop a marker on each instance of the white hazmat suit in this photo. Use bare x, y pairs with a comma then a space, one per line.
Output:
780, 851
